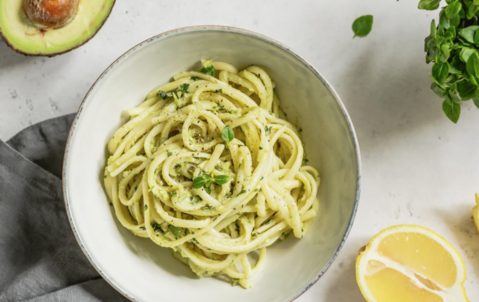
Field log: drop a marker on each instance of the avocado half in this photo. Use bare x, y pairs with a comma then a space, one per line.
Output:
22, 35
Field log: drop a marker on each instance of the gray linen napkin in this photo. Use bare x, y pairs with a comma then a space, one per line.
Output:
40, 259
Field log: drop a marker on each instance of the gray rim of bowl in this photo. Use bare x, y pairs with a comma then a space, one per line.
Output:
233, 30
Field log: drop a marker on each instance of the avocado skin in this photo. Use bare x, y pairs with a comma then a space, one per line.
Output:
51, 55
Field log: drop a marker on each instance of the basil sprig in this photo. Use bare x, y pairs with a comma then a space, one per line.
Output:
206, 180
179, 92
453, 47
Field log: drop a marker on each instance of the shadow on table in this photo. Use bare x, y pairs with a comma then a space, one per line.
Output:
465, 232
344, 286
9, 57
388, 98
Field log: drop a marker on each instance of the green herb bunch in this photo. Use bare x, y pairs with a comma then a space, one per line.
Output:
453, 47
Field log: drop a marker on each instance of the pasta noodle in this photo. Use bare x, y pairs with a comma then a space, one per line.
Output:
206, 166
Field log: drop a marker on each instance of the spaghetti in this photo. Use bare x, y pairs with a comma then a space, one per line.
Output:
206, 167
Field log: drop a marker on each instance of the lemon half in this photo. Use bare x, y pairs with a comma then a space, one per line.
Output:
408, 263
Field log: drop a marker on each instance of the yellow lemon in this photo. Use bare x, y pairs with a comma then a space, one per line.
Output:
475, 212
409, 263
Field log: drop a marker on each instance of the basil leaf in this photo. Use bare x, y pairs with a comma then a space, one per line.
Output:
472, 79
162, 94
432, 51
195, 199
209, 70
428, 43
362, 26
198, 182
471, 10
430, 57
453, 9
466, 90
440, 72
453, 87
476, 38
208, 208
450, 80
228, 135
453, 97
267, 130
468, 33
445, 53
439, 40
450, 33
208, 190
437, 90
452, 110
222, 179
455, 21
206, 176
466, 53
433, 29
176, 231
440, 31
472, 65
444, 20
156, 227
208, 183
242, 192
428, 4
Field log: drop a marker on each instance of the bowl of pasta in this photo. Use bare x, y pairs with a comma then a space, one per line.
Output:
211, 162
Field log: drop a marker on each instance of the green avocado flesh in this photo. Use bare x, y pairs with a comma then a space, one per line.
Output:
23, 36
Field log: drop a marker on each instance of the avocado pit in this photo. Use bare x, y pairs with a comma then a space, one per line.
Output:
50, 14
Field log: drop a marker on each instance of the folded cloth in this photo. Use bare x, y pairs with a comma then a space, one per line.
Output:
40, 259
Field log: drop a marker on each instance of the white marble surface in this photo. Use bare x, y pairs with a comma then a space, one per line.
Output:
418, 167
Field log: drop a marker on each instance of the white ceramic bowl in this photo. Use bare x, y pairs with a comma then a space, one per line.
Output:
143, 271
